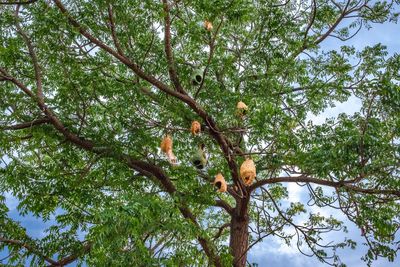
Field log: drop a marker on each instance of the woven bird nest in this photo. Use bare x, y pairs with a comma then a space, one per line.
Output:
166, 147
199, 158
220, 183
166, 144
208, 25
195, 128
241, 108
248, 171
197, 77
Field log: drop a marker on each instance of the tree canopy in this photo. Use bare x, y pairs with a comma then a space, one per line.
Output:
89, 89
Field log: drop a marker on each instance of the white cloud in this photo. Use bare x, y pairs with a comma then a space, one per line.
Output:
351, 106
294, 192
11, 201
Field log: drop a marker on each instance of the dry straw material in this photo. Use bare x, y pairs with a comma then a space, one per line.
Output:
220, 183
241, 108
248, 171
195, 128
166, 144
208, 25
166, 147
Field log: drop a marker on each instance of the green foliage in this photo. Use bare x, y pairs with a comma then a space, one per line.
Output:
89, 155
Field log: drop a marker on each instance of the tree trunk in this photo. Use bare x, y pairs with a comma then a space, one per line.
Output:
239, 235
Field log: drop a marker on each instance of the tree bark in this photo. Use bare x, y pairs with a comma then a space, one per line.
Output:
239, 236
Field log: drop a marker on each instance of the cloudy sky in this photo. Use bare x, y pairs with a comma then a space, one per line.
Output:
271, 252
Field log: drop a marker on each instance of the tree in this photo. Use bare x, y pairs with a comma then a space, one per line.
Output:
90, 88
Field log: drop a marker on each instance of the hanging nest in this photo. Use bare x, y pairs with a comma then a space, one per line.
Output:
220, 183
166, 144
195, 128
199, 159
166, 147
248, 171
197, 77
208, 25
241, 109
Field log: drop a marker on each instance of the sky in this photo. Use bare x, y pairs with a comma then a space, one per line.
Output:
272, 252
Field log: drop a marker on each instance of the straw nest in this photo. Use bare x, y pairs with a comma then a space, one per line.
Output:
241, 105
220, 183
248, 171
208, 25
195, 128
166, 147
241, 108
166, 144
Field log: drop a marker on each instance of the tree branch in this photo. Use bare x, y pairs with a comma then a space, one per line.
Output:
73, 257
221, 229
133, 66
216, 133
223, 204
146, 169
25, 125
18, 2
168, 50
314, 13
32, 53
321, 38
27, 247
143, 167
306, 179
333, 27
67, 260
113, 33
210, 56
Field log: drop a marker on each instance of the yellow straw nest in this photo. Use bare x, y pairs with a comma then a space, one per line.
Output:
241, 108
166, 144
248, 171
166, 147
195, 128
220, 183
208, 25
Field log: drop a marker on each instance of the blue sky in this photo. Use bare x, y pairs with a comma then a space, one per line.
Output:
272, 252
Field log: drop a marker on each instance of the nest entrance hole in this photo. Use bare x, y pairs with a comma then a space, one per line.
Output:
198, 78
